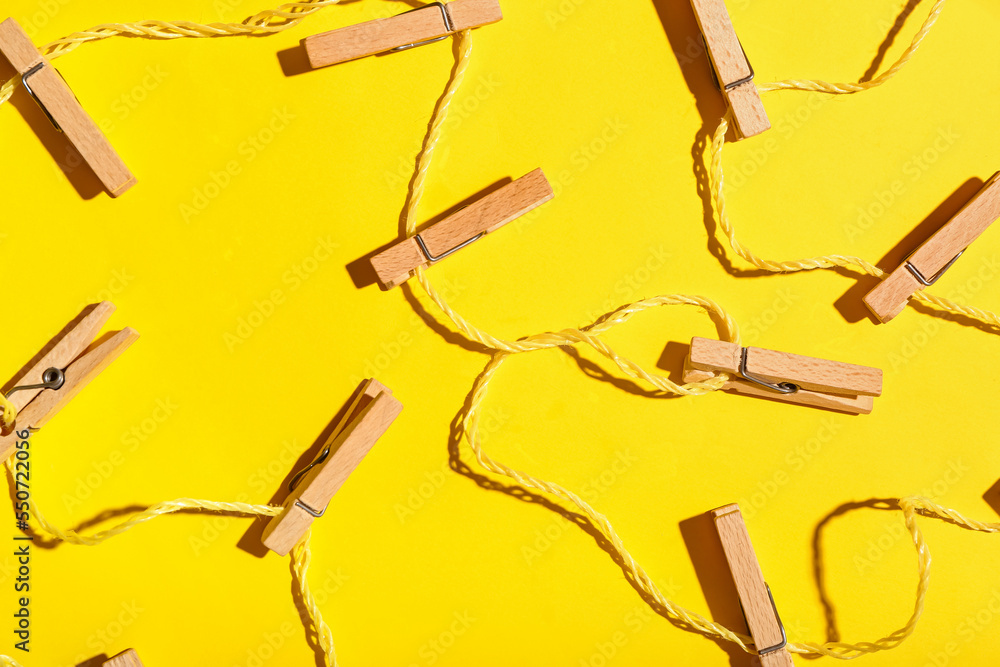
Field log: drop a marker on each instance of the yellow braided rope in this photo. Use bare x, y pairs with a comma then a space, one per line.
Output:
267, 22
548, 340
301, 557
301, 554
910, 507
829, 261
503, 348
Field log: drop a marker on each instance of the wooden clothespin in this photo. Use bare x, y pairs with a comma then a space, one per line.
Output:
397, 263
423, 25
928, 262
68, 363
53, 94
127, 658
732, 69
785, 377
367, 418
755, 595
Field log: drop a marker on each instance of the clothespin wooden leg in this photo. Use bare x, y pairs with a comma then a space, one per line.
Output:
127, 658
781, 376
59, 103
366, 419
733, 72
398, 263
755, 596
67, 365
422, 25
928, 262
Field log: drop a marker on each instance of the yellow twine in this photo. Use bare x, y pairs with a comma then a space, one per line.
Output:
267, 22
909, 506
590, 334
301, 557
288, 15
159, 509
829, 261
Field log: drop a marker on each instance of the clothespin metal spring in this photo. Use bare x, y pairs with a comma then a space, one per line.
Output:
927, 282
305, 471
436, 258
715, 72
447, 24
781, 626
780, 387
27, 87
299, 477
53, 378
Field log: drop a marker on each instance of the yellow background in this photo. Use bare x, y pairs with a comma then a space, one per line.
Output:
609, 98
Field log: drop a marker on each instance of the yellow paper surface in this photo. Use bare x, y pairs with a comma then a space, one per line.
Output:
236, 254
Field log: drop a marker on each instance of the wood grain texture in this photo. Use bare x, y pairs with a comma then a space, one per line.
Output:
834, 377
396, 264
780, 658
889, 298
127, 658
380, 35
855, 405
720, 37
53, 93
67, 345
79, 374
365, 421
731, 65
467, 14
748, 110
762, 620
17, 47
